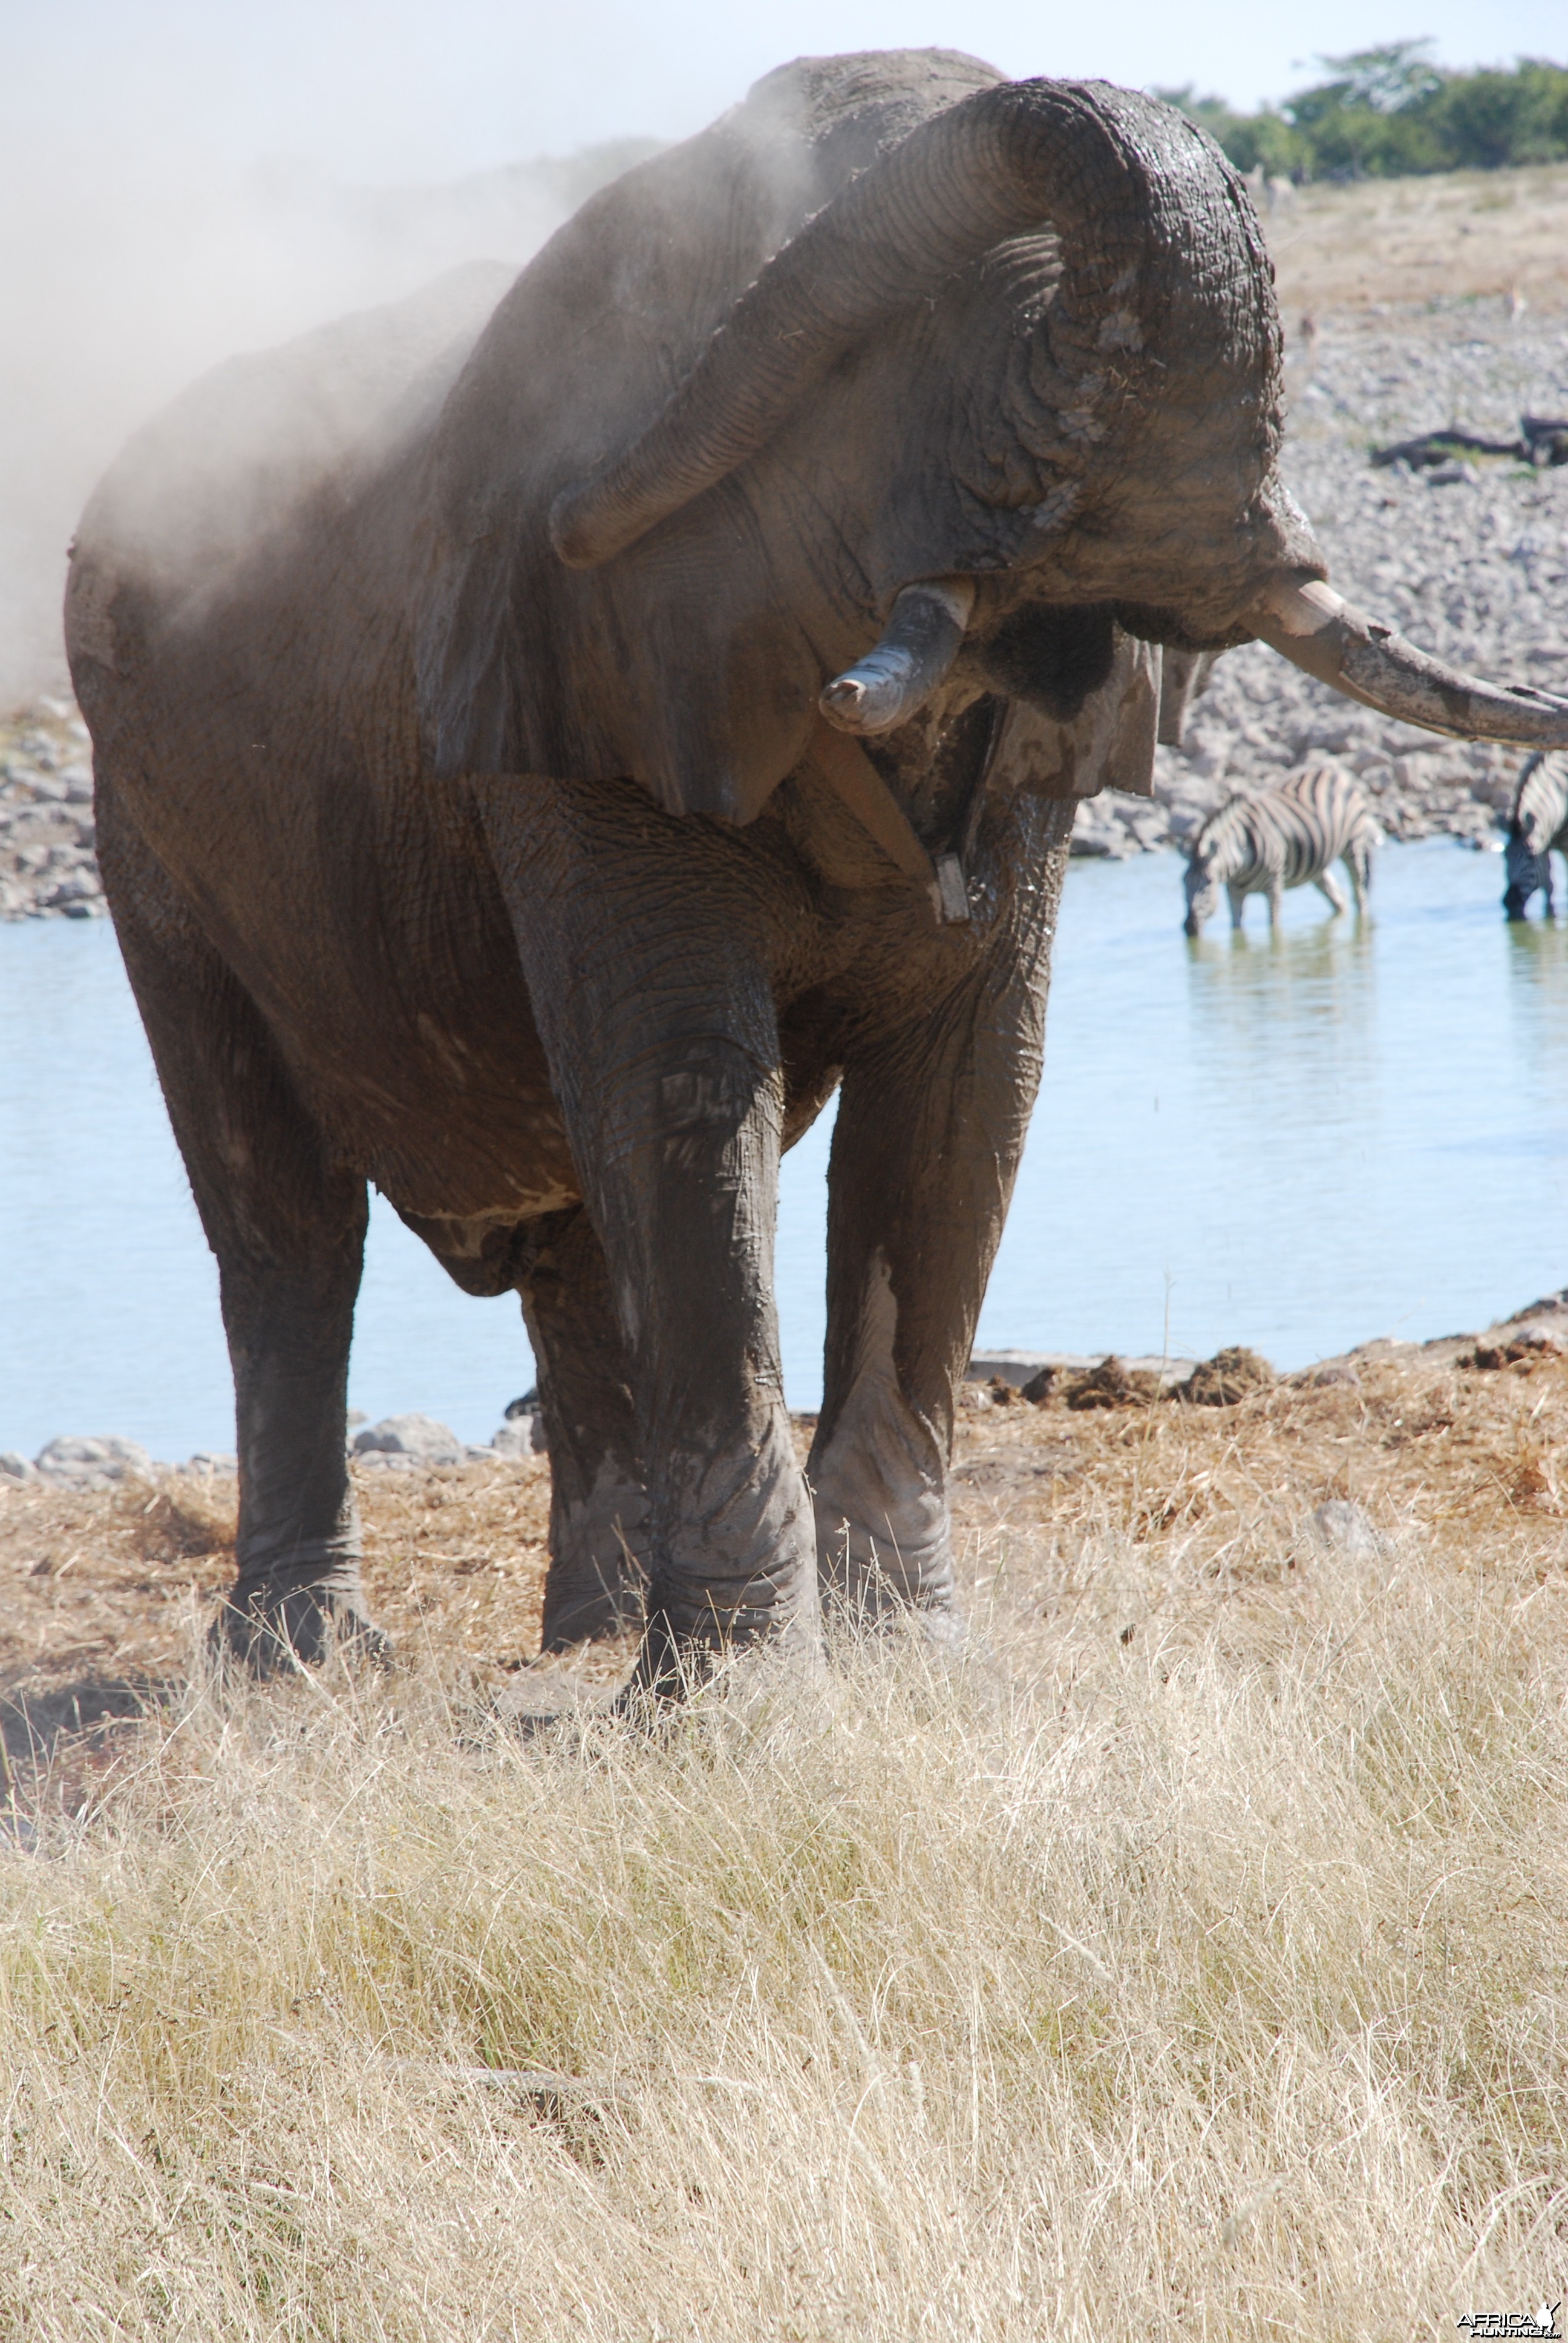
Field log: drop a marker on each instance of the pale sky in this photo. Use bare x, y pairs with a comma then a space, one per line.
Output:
389, 89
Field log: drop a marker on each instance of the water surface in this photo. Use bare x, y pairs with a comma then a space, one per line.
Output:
1296, 1142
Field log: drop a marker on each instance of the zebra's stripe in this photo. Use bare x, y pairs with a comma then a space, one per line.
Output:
1286, 837
1539, 828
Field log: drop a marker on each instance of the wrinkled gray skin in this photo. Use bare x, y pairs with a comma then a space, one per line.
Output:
511, 882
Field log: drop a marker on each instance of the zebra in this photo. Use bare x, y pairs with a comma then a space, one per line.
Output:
1538, 829
1262, 842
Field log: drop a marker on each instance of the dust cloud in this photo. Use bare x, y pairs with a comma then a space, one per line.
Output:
115, 295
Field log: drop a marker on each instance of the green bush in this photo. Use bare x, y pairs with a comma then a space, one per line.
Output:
1389, 112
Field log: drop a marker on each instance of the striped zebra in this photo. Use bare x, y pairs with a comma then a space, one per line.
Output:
1262, 842
1539, 829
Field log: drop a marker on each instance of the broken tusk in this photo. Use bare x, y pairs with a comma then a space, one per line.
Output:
1303, 607
919, 645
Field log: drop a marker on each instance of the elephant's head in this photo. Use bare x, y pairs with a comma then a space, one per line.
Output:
1026, 368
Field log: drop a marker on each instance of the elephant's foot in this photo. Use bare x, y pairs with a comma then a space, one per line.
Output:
883, 1535
871, 1582
735, 1568
273, 1627
599, 1565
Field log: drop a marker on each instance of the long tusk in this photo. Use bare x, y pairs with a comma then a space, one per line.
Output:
1309, 624
919, 643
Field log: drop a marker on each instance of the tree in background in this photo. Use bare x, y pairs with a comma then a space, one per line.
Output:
1388, 112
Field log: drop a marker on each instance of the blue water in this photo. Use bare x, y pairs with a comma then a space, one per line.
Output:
1296, 1142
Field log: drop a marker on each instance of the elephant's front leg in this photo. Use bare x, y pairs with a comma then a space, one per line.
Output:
657, 1014
926, 1148
686, 1179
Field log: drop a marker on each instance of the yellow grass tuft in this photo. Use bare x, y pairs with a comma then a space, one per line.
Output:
1188, 1958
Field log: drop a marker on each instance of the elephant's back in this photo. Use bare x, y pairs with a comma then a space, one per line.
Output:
222, 474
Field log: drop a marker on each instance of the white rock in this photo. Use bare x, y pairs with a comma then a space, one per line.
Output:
419, 1437
16, 1468
520, 1435
83, 1460
1344, 1528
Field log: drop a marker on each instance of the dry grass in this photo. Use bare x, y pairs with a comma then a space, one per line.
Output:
1462, 234
1204, 1979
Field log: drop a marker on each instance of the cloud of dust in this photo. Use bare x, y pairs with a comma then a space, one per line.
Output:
118, 289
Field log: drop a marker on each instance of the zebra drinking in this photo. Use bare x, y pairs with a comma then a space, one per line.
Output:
1262, 842
1539, 830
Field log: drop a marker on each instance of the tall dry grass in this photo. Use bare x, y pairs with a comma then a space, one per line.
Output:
1207, 1983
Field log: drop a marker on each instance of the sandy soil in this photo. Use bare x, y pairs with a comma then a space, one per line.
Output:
1461, 235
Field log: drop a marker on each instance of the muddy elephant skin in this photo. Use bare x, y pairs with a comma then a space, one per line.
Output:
469, 823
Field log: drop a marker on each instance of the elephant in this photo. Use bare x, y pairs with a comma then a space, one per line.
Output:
552, 735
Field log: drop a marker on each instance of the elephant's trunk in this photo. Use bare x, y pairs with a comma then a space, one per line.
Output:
1103, 167
1183, 676
918, 646
1309, 624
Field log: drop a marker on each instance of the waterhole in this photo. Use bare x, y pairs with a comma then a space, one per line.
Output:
1294, 1142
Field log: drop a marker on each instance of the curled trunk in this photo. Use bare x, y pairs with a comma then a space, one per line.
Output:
1097, 162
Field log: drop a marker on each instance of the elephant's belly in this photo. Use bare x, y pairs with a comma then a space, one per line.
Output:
450, 1114
476, 1151
408, 1026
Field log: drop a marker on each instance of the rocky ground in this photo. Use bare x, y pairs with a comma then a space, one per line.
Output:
399, 1443
48, 864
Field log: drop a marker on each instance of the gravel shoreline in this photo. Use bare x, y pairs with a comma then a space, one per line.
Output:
1473, 567
48, 868
419, 1444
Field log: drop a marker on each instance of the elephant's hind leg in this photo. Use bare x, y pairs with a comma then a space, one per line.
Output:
598, 1504
287, 1226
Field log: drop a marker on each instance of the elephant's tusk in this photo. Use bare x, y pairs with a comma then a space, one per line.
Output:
1313, 627
918, 646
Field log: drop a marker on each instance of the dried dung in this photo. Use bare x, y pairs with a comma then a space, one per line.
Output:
1230, 1375
1113, 1384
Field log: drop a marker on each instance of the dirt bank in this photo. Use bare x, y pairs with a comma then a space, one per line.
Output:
47, 861
1458, 236
106, 1590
